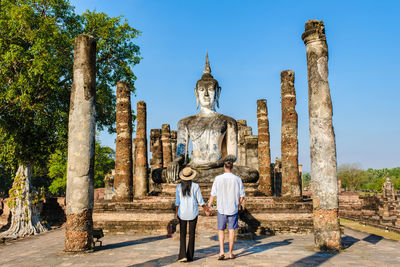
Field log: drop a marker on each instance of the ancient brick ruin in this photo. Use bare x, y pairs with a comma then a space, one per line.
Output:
291, 181
247, 146
264, 152
123, 150
166, 144
156, 149
140, 181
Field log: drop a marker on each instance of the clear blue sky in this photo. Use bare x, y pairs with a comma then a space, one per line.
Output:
249, 44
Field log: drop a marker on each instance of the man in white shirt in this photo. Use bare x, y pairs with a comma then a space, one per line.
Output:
229, 191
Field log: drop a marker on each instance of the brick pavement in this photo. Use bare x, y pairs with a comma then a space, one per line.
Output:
362, 249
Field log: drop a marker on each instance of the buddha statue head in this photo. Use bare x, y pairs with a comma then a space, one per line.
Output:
207, 89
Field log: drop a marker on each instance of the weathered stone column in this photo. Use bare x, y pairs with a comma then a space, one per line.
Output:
123, 149
264, 152
322, 140
174, 135
108, 185
289, 143
81, 147
141, 179
166, 144
133, 160
156, 160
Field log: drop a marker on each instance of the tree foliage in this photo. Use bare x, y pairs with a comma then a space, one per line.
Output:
104, 163
36, 64
354, 178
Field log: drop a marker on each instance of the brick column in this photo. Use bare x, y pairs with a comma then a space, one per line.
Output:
174, 135
289, 143
322, 140
156, 160
241, 158
264, 153
123, 150
166, 144
81, 147
141, 180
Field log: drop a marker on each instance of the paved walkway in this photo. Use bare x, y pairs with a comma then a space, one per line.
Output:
362, 249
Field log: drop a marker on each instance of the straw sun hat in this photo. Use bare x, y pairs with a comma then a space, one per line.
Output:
187, 174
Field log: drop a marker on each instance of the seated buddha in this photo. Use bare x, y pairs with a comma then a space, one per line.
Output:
213, 135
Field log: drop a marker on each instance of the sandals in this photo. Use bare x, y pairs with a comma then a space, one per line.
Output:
221, 257
232, 257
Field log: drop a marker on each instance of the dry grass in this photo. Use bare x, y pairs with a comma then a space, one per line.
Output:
370, 229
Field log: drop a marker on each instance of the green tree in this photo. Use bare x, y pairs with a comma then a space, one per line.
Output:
351, 176
36, 59
306, 177
104, 163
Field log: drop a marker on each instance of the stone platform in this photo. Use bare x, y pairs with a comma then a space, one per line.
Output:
155, 215
360, 249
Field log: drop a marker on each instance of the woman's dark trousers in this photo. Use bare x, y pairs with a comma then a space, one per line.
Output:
183, 253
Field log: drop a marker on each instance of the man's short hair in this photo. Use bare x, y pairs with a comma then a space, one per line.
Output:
228, 164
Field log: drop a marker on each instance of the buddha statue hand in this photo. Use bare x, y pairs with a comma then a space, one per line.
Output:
212, 165
173, 170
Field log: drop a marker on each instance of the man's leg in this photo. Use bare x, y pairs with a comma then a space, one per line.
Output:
233, 224
221, 218
221, 242
231, 241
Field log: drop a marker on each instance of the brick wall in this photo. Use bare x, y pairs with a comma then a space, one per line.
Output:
375, 210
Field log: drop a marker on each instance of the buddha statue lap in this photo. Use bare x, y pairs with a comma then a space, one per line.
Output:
213, 136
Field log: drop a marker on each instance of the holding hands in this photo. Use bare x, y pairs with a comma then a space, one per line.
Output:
207, 210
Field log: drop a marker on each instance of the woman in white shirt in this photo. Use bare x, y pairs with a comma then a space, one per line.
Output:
188, 198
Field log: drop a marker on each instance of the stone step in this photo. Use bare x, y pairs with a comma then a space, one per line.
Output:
205, 188
155, 215
167, 205
260, 224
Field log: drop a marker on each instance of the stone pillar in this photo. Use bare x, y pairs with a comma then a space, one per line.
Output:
324, 180
123, 150
289, 143
264, 152
156, 160
166, 144
133, 161
141, 179
174, 135
81, 147
251, 150
108, 185
241, 157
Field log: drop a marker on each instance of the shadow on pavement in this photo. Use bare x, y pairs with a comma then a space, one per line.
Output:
316, 259
373, 239
131, 243
263, 247
213, 251
348, 241
321, 257
163, 261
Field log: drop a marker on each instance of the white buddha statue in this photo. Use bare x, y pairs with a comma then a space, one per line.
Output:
213, 135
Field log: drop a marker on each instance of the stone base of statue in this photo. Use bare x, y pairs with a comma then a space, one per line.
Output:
247, 174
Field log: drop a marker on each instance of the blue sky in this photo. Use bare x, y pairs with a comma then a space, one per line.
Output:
249, 44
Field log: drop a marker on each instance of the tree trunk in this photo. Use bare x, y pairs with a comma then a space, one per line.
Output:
25, 218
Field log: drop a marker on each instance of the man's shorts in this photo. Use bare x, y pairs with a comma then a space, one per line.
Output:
232, 220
